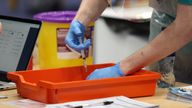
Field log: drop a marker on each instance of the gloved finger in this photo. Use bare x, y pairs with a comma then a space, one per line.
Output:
93, 75
83, 46
89, 77
79, 47
87, 43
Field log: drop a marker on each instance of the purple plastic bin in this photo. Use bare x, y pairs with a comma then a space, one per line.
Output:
56, 16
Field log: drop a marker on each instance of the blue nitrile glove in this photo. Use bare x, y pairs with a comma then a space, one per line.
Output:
76, 32
109, 72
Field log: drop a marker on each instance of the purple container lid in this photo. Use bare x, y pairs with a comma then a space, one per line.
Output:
56, 16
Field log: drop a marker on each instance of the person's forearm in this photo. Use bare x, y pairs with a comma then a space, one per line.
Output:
178, 34
90, 10
0, 27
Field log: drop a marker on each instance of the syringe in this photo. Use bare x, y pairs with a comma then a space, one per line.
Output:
83, 56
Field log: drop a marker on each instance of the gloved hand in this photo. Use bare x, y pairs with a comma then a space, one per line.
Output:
109, 72
75, 33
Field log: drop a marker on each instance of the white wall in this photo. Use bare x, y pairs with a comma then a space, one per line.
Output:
108, 47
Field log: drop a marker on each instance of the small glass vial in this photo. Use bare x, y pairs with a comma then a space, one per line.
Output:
166, 69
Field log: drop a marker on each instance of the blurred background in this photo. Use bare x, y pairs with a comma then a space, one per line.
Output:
27, 8
125, 33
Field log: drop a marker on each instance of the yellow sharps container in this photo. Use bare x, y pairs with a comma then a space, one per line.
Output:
52, 50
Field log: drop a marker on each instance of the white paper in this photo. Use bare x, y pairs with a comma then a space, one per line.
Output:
119, 102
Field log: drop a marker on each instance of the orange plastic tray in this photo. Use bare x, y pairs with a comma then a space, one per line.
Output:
69, 84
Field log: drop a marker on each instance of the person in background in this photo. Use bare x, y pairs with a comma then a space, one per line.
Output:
170, 31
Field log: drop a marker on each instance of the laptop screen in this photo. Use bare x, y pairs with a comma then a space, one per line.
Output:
17, 41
